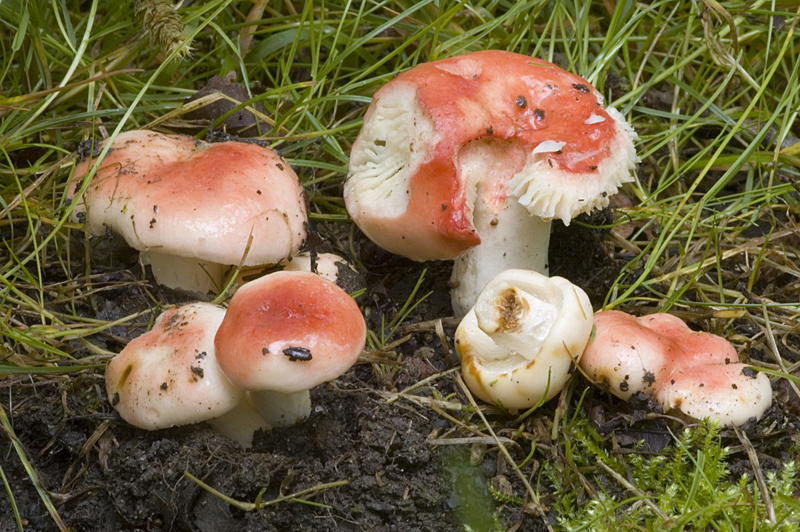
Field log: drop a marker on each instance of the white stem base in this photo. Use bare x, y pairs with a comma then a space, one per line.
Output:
281, 409
241, 423
510, 239
185, 273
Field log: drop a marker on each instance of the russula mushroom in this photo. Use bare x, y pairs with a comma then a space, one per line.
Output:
285, 333
192, 208
169, 375
518, 343
697, 373
486, 148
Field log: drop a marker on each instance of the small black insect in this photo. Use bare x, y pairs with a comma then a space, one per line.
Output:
197, 371
297, 353
522, 102
265, 351
580, 87
539, 114
749, 372
649, 378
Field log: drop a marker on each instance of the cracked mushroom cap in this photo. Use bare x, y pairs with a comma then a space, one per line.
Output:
180, 196
518, 343
169, 376
288, 332
628, 355
733, 393
481, 127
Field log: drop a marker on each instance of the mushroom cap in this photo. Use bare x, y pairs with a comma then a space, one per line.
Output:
732, 393
518, 343
180, 196
169, 376
538, 133
288, 332
628, 355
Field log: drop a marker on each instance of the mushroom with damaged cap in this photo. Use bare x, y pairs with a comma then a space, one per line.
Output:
285, 333
169, 376
191, 207
697, 373
485, 148
518, 343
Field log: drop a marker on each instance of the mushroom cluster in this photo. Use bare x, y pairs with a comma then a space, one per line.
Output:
485, 148
242, 369
696, 373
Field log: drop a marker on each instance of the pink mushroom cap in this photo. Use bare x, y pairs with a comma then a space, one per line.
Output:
697, 373
288, 332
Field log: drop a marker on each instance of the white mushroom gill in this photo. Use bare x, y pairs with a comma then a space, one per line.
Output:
388, 151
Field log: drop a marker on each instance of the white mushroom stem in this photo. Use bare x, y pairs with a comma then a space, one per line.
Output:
185, 273
241, 423
282, 409
510, 239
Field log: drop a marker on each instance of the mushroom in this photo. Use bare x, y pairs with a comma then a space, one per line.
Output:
193, 208
486, 148
518, 343
697, 373
169, 375
285, 333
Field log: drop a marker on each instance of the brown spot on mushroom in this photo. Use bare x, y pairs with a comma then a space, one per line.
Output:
580, 87
125, 375
164, 385
539, 114
265, 351
197, 372
649, 378
115, 399
522, 102
749, 372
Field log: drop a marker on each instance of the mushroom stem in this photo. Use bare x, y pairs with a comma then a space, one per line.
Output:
282, 409
241, 423
185, 273
510, 239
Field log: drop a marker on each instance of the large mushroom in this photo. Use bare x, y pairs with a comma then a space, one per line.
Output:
518, 343
696, 373
485, 148
193, 208
285, 333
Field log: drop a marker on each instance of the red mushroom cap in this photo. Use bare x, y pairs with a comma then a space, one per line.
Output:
288, 332
180, 196
411, 185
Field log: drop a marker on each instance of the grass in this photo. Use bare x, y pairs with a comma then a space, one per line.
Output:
712, 88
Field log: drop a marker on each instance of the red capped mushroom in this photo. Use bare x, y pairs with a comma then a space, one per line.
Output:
191, 207
463, 151
697, 373
285, 333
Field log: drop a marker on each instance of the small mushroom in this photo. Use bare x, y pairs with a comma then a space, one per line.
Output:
285, 333
169, 376
470, 158
193, 209
697, 373
520, 340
